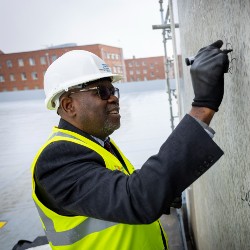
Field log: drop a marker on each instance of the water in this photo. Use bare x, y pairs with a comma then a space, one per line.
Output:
25, 125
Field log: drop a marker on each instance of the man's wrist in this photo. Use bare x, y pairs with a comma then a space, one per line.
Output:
202, 113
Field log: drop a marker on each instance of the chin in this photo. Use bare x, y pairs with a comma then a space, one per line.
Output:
110, 128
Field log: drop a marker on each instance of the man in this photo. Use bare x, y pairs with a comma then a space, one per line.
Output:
87, 193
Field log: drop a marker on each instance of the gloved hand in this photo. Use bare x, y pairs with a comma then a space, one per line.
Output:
207, 73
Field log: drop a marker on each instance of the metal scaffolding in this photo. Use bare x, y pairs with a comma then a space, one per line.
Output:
168, 32
168, 26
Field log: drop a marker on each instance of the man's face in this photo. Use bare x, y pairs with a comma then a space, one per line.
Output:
95, 116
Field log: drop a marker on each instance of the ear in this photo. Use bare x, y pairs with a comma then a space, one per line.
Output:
67, 106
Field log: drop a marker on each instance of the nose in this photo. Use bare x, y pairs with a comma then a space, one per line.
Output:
113, 99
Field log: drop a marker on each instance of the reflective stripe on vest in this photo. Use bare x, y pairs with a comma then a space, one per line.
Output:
62, 134
90, 225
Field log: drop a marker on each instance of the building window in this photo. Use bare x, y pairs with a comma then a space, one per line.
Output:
120, 70
43, 60
31, 61
131, 72
114, 69
53, 58
34, 76
152, 74
145, 71
9, 63
145, 78
12, 77
130, 65
117, 57
20, 63
2, 78
144, 64
108, 56
152, 65
137, 64
23, 77
138, 72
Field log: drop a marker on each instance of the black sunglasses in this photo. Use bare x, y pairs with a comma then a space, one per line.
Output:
103, 91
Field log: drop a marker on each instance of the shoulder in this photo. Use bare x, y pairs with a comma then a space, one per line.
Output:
60, 154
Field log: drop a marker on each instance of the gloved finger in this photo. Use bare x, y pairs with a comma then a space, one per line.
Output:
218, 44
225, 61
226, 51
226, 67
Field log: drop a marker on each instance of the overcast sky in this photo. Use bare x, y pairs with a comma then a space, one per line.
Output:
35, 24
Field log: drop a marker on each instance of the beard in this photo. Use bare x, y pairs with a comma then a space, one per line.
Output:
110, 126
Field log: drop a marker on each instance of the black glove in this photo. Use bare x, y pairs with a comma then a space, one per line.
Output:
207, 73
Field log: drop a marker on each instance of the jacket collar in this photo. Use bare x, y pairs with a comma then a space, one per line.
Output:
68, 126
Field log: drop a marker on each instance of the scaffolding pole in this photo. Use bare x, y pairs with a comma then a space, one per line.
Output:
167, 28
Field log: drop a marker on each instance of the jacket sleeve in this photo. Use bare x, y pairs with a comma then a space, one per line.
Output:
72, 180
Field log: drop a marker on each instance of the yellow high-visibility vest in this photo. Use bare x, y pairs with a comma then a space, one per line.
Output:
81, 232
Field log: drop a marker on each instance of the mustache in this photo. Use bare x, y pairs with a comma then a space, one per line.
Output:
113, 107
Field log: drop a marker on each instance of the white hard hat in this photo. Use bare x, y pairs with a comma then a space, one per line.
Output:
71, 69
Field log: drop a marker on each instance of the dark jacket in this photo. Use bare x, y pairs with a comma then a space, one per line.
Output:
72, 180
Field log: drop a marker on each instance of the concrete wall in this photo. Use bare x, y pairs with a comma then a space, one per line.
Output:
220, 200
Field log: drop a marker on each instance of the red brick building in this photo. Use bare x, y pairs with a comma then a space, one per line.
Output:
145, 69
25, 70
